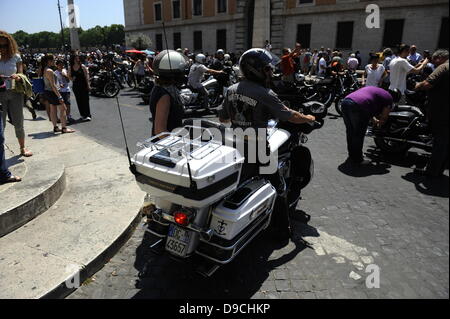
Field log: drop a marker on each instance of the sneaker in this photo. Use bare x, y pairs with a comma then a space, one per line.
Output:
88, 119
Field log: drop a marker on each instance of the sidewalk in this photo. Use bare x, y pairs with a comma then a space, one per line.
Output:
78, 203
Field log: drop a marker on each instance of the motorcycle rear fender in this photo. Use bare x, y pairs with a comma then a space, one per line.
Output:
210, 83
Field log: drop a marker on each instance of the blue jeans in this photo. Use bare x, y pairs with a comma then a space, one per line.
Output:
356, 121
4, 172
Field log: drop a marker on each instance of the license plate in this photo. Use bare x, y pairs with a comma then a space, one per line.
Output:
178, 241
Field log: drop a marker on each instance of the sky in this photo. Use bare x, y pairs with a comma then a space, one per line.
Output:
42, 15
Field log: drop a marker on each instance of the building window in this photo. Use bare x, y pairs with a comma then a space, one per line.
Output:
159, 42
222, 39
393, 33
198, 41
304, 35
344, 36
176, 9
443, 37
177, 40
197, 8
222, 6
300, 2
158, 12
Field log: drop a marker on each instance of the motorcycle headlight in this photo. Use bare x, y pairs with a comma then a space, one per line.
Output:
299, 77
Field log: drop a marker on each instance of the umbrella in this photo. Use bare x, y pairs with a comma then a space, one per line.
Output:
134, 51
148, 52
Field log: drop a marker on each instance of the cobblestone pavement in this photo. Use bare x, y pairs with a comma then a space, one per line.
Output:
383, 215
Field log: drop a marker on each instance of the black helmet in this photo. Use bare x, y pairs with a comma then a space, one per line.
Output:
396, 95
170, 64
253, 64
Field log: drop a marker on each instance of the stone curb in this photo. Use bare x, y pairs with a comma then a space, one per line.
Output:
87, 271
18, 216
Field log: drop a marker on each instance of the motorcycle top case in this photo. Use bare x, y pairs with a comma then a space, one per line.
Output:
249, 205
164, 173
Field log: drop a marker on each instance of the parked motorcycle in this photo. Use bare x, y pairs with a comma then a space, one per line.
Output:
105, 83
333, 89
145, 88
208, 206
407, 127
348, 83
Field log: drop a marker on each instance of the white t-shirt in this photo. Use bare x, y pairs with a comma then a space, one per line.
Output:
196, 75
374, 76
400, 68
62, 81
322, 67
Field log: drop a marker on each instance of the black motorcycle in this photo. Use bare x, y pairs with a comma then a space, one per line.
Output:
407, 127
145, 88
105, 83
333, 89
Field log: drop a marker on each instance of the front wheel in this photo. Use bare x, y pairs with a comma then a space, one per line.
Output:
130, 79
338, 106
111, 89
391, 147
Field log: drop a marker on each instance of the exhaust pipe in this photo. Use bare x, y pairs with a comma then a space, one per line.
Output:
413, 143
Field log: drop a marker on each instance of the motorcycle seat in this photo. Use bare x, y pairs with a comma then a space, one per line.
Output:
409, 108
410, 93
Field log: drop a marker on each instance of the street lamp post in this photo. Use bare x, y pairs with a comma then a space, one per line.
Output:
62, 27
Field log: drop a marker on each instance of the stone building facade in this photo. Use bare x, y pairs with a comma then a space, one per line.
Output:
236, 25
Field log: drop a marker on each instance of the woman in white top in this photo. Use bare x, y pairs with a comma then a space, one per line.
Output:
374, 73
10, 68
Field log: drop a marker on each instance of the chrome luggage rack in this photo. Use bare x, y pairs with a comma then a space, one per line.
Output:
179, 144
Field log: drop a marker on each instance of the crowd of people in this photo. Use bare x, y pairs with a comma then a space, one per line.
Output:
384, 81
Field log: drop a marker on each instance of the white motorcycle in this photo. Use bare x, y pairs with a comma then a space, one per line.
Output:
205, 209
192, 101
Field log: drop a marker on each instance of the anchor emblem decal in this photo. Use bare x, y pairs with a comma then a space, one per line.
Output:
221, 227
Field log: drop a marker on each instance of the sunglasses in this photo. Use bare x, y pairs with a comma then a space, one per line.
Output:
4, 46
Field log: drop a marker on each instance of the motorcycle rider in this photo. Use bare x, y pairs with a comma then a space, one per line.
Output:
166, 106
218, 64
196, 73
218, 61
250, 104
437, 86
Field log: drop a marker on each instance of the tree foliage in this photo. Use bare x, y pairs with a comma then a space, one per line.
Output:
94, 37
138, 41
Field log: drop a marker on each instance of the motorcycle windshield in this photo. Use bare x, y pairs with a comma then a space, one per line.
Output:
275, 59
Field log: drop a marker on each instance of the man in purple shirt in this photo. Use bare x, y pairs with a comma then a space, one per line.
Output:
358, 109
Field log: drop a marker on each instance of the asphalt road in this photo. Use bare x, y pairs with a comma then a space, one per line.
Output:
381, 217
